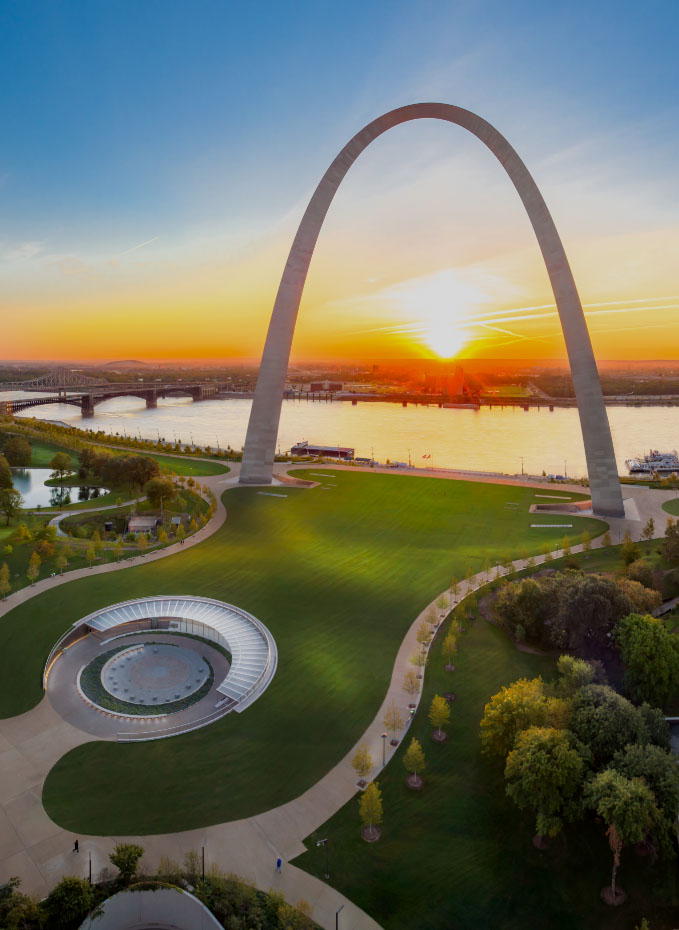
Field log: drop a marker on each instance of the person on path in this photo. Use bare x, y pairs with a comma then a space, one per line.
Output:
76, 847
279, 863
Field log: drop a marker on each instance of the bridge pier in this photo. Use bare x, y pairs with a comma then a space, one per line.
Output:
152, 399
87, 405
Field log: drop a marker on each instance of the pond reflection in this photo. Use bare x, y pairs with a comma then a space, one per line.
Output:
30, 483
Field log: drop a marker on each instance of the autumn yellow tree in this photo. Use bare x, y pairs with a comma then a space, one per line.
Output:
439, 715
449, 649
370, 811
423, 634
5, 584
393, 720
90, 555
410, 683
362, 762
414, 763
33, 569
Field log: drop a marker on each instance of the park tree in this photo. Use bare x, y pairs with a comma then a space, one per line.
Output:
11, 503
181, 532
575, 673
410, 683
22, 534
5, 584
66, 551
193, 526
628, 808
565, 546
125, 857
60, 465
512, 710
629, 550
449, 648
648, 531
60, 562
5, 473
586, 541
159, 491
140, 469
69, 902
393, 720
97, 543
651, 657
641, 572
118, 548
17, 451
544, 772
417, 658
442, 603
162, 537
607, 541
423, 634
370, 811
8, 549
454, 586
362, 763
658, 768
439, 715
605, 721
414, 763
33, 569
671, 543
142, 542
90, 555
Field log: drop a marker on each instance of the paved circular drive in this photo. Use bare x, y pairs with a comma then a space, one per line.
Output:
154, 673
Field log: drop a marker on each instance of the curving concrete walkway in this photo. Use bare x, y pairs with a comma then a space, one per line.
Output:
36, 849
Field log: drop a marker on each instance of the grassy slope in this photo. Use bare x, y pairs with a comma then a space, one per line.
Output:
459, 854
42, 453
337, 575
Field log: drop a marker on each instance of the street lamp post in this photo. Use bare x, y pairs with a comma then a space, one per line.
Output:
337, 913
521, 457
384, 749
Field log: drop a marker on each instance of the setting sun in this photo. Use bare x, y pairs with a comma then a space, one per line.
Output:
445, 337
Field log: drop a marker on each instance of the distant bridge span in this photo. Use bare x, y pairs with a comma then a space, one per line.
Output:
88, 400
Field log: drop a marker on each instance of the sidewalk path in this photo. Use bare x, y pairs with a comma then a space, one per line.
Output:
39, 851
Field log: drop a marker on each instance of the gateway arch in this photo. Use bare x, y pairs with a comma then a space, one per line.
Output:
260, 442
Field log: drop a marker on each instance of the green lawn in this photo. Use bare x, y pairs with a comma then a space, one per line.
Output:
338, 576
43, 452
672, 507
459, 854
186, 466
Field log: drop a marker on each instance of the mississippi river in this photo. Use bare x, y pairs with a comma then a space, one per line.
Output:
484, 440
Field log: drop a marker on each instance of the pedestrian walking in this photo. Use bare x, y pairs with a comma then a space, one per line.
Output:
76, 847
279, 863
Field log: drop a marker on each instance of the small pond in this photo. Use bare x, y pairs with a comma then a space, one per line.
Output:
30, 483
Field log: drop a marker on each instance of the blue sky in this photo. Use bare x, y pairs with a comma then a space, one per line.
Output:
203, 127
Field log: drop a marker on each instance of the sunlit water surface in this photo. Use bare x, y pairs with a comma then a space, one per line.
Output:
485, 440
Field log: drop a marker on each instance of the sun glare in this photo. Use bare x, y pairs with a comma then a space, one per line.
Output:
444, 338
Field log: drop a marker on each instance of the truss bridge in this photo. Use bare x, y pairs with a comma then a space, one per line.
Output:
86, 393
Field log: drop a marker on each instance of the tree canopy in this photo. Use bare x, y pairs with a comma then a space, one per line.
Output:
515, 708
651, 657
545, 773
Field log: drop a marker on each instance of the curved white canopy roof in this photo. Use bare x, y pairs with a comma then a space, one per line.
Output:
252, 647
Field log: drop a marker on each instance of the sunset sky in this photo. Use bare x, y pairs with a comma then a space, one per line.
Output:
157, 156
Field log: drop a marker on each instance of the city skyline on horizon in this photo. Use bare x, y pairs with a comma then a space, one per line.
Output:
179, 205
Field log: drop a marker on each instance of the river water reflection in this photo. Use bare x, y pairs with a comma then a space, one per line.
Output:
488, 439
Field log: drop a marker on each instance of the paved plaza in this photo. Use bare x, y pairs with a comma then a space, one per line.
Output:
152, 673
